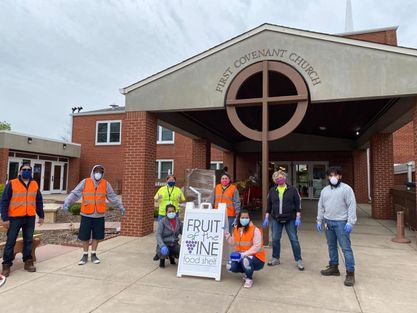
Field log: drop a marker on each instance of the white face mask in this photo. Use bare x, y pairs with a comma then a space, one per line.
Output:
98, 176
334, 180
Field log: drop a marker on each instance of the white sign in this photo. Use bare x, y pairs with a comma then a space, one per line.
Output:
202, 241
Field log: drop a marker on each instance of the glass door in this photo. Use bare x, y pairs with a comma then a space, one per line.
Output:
302, 179
318, 179
13, 170
37, 174
57, 177
47, 177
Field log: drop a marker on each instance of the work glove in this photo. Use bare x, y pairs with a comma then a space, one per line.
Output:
348, 228
123, 211
164, 250
265, 223
298, 221
319, 227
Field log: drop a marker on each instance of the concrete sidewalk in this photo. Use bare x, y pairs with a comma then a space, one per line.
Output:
128, 280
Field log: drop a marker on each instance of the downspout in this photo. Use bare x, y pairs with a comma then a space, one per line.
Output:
368, 170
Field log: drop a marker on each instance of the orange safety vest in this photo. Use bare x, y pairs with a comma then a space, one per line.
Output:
225, 196
94, 198
245, 242
23, 201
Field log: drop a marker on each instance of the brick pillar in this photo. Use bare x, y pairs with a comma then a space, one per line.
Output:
4, 160
382, 175
360, 176
73, 173
139, 173
229, 161
415, 144
200, 153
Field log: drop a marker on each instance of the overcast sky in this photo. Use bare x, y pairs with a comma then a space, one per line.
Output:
56, 54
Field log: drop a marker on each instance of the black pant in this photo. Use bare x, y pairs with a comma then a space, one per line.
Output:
174, 251
27, 224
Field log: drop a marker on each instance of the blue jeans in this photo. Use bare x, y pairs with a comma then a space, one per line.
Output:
247, 265
292, 235
27, 224
335, 233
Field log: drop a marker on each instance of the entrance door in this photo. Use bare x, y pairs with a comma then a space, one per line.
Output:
310, 178
13, 170
37, 174
57, 177
302, 179
318, 178
47, 177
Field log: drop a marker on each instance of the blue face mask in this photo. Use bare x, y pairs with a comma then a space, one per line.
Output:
26, 174
171, 183
244, 221
171, 215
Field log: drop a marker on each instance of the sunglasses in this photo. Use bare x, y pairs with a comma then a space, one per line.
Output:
26, 169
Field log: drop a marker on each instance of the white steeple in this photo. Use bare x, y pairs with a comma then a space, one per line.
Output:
349, 19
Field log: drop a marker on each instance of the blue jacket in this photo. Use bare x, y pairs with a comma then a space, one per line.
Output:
7, 196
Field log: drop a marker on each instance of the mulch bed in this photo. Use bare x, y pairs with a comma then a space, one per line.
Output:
70, 237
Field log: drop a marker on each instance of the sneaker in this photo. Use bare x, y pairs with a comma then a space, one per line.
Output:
273, 262
94, 258
83, 260
248, 283
156, 257
300, 265
2, 280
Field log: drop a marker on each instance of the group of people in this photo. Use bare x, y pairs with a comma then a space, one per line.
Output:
336, 210
22, 201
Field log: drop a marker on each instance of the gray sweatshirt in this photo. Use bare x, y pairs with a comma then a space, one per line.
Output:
337, 204
77, 193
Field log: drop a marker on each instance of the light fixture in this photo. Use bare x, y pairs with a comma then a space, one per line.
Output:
29, 140
357, 133
64, 146
322, 127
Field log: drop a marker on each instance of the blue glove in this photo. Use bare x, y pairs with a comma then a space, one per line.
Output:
298, 222
235, 256
65, 207
265, 223
164, 250
348, 228
319, 227
123, 211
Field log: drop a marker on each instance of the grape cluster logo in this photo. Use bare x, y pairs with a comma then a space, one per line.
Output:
190, 245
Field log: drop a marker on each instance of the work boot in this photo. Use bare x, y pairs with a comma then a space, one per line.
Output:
350, 278
162, 263
172, 260
29, 266
6, 270
331, 270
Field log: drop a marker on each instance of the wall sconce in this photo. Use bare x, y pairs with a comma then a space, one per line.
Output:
64, 146
29, 140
